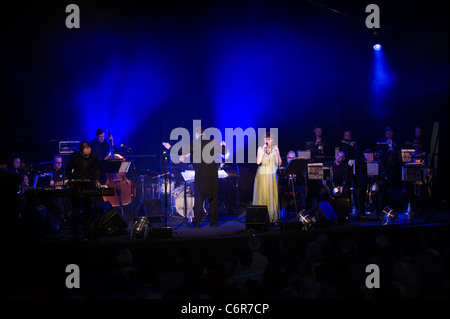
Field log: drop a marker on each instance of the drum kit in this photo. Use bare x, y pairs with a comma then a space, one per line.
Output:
179, 189
179, 193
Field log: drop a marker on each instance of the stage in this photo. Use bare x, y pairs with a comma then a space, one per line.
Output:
178, 261
232, 225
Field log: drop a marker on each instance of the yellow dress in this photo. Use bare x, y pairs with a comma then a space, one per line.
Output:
265, 190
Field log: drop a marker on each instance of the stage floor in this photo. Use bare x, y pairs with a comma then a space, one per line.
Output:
28, 264
234, 225
231, 224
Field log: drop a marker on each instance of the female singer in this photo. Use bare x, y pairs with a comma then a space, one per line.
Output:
265, 191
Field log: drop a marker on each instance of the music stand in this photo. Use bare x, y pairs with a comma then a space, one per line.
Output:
362, 167
315, 171
295, 167
407, 155
412, 172
114, 166
188, 175
304, 154
382, 147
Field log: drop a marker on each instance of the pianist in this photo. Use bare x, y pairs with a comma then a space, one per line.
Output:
83, 165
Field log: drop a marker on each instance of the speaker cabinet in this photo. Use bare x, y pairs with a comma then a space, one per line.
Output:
153, 209
111, 224
341, 207
257, 218
326, 212
322, 214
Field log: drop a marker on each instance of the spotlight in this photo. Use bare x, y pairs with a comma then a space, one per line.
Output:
140, 227
307, 224
377, 47
390, 216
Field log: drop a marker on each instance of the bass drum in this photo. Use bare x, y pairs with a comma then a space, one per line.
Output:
178, 200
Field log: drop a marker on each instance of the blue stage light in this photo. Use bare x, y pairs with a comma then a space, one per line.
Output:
377, 47
382, 81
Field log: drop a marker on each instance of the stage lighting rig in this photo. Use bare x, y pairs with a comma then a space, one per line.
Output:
390, 216
141, 227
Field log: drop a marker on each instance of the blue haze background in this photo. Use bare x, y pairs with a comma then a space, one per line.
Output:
142, 68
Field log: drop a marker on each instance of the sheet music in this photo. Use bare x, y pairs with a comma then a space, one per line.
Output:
124, 166
222, 174
304, 154
315, 171
189, 175
372, 169
407, 155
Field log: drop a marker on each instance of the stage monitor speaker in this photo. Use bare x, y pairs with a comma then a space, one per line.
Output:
257, 217
341, 207
325, 213
111, 224
153, 209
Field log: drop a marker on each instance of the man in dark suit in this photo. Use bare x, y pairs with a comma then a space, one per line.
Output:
206, 175
83, 165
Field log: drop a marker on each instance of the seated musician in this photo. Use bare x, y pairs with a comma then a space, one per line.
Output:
370, 190
59, 177
15, 164
83, 165
337, 186
18, 202
392, 166
60, 207
417, 190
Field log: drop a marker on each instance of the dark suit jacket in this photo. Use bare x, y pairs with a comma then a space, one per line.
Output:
80, 167
206, 174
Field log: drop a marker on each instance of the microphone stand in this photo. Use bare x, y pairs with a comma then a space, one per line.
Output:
165, 189
277, 175
237, 191
165, 195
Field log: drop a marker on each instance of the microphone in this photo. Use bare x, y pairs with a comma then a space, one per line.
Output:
125, 147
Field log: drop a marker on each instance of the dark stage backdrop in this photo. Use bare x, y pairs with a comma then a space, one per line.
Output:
142, 68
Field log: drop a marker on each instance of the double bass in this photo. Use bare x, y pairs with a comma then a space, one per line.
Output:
123, 188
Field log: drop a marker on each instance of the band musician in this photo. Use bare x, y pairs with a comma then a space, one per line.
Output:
83, 166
